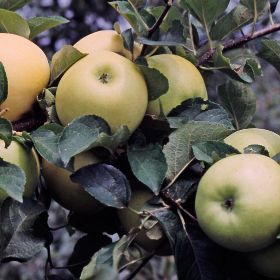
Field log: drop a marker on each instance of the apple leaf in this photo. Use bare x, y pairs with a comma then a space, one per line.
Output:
12, 180
87, 132
13, 5
6, 131
273, 5
260, 5
84, 249
148, 164
240, 102
244, 68
63, 60
105, 183
3, 83
38, 25
212, 151
270, 52
45, 140
156, 82
178, 151
256, 149
198, 109
20, 239
11, 22
128, 40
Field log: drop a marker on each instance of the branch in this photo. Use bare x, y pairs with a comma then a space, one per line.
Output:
236, 43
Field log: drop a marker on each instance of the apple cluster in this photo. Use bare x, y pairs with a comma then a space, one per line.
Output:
238, 201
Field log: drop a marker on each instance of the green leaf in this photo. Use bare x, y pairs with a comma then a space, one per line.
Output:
104, 182
256, 149
240, 102
178, 151
156, 82
6, 132
131, 14
12, 180
270, 52
38, 25
63, 60
128, 40
212, 151
13, 5
3, 83
87, 132
18, 229
260, 5
148, 164
206, 10
243, 67
11, 22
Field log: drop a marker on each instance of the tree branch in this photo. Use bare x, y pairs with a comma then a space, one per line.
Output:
239, 42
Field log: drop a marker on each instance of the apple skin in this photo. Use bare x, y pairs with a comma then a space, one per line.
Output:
106, 40
185, 82
68, 194
129, 220
250, 136
266, 261
27, 160
104, 84
238, 202
27, 70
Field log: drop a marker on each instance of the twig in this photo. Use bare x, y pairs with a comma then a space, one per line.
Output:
135, 272
236, 43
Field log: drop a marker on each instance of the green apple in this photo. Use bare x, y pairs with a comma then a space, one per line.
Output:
104, 84
185, 82
238, 202
106, 40
27, 160
266, 261
130, 219
250, 136
68, 194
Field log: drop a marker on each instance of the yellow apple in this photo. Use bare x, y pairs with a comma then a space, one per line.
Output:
106, 40
104, 84
250, 136
130, 219
68, 194
185, 82
238, 202
27, 70
27, 160
266, 261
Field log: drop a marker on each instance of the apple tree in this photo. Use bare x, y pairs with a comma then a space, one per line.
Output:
141, 181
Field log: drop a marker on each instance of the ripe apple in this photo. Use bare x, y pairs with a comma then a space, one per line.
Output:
68, 194
27, 160
185, 82
106, 40
104, 84
266, 261
27, 70
238, 202
250, 136
130, 219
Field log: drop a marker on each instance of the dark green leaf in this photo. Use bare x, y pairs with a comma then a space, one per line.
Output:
256, 149
3, 84
157, 83
260, 5
13, 5
106, 183
38, 25
6, 131
212, 151
178, 151
128, 40
11, 22
240, 102
19, 240
63, 60
271, 52
148, 165
12, 180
